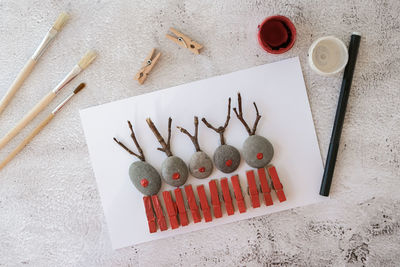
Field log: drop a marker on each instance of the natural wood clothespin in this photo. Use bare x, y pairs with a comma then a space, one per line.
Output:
147, 66
185, 41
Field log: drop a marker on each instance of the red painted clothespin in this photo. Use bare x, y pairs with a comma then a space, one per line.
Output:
205, 207
216, 203
265, 189
151, 219
192, 204
253, 191
159, 213
277, 183
181, 207
171, 209
238, 193
226, 193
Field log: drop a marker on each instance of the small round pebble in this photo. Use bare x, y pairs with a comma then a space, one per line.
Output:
200, 165
145, 178
174, 171
226, 158
257, 151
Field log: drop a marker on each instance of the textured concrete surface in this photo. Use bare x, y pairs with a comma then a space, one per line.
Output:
50, 211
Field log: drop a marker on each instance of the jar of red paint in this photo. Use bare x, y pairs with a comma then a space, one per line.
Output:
276, 34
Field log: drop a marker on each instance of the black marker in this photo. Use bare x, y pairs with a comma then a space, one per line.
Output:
340, 112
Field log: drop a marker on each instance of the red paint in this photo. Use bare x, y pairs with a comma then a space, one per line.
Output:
238, 194
260, 155
253, 192
228, 162
159, 213
192, 203
171, 209
277, 183
151, 219
276, 34
202, 169
215, 202
265, 189
205, 207
226, 193
176, 176
144, 182
181, 207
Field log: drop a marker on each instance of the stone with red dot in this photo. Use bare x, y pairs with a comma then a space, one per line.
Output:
200, 165
144, 182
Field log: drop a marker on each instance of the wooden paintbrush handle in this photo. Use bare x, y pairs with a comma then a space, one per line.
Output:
26, 140
19, 80
28, 117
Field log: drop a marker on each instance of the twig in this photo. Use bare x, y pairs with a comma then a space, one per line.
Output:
194, 137
141, 156
258, 117
240, 117
220, 129
165, 146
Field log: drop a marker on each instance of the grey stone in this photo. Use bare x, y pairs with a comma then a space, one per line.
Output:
140, 172
257, 151
226, 158
174, 171
200, 165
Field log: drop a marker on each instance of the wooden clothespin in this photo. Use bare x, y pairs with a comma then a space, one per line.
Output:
147, 66
185, 41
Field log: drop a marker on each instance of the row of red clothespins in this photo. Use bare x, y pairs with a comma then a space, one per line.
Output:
176, 210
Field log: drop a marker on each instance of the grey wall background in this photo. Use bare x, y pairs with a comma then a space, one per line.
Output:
50, 211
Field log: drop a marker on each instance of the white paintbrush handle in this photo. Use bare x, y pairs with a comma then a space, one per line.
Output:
19, 80
27, 118
26, 141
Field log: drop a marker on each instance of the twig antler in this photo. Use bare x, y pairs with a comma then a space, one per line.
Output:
240, 116
220, 129
194, 138
165, 146
141, 156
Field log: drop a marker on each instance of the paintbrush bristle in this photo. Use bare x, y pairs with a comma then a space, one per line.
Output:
79, 88
60, 22
87, 59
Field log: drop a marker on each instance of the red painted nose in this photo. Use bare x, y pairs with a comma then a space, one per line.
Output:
176, 176
228, 162
144, 182
202, 169
260, 155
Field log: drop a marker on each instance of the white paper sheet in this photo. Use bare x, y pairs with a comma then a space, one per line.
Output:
281, 96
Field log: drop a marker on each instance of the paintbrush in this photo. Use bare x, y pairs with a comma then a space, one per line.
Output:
83, 64
27, 69
39, 127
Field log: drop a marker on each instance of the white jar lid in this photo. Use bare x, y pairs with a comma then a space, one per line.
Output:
328, 55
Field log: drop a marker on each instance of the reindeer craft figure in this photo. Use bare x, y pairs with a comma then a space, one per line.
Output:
173, 169
200, 164
226, 157
147, 181
258, 152
174, 172
143, 176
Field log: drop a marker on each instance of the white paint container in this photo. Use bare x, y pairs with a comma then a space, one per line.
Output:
328, 55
